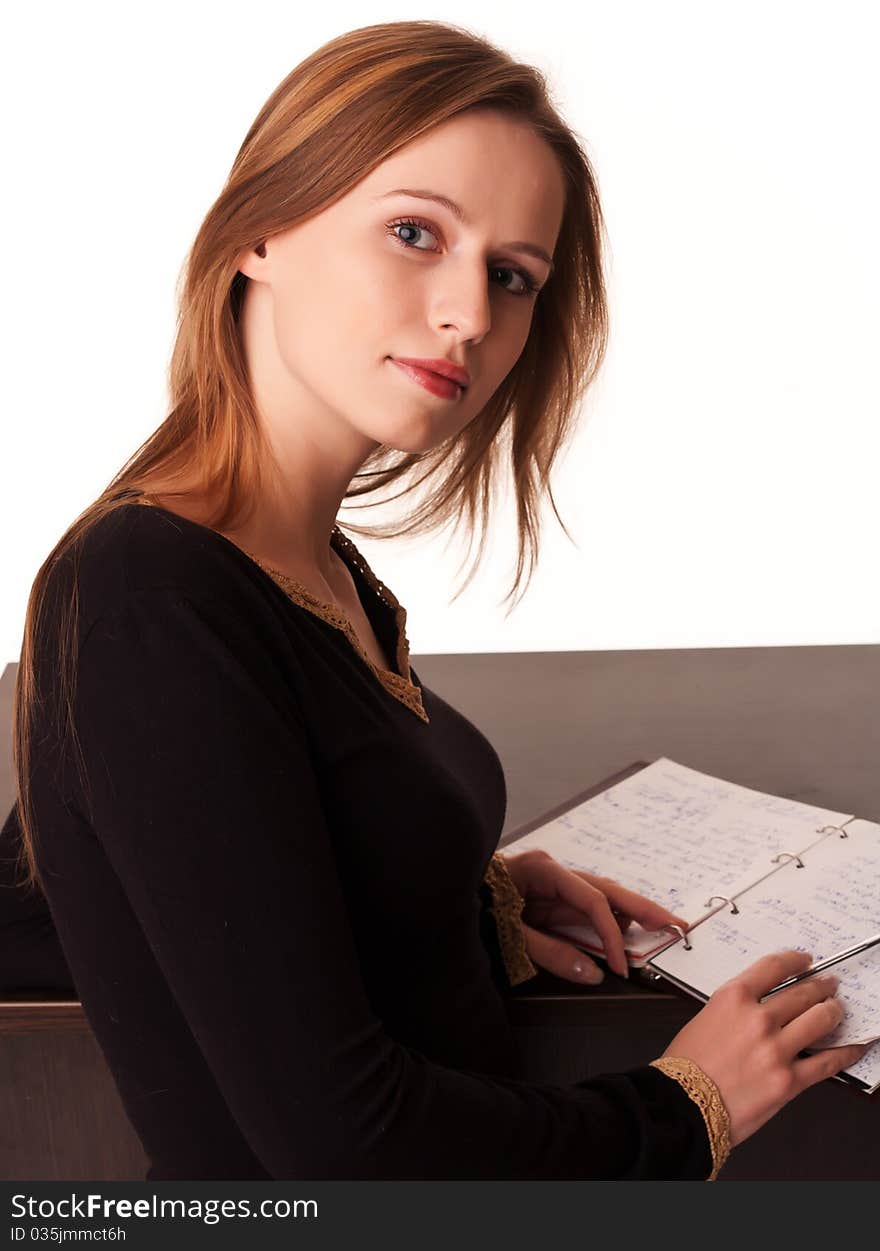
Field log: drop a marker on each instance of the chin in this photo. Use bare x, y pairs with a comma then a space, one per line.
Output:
412, 445
419, 435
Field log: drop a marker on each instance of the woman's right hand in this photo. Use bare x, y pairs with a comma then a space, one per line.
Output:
750, 1049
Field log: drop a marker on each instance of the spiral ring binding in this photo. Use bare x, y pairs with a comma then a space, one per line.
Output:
733, 908
787, 855
681, 933
826, 829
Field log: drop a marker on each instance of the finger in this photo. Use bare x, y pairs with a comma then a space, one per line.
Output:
574, 889
826, 1063
814, 1023
598, 909
770, 970
542, 911
648, 913
789, 1004
560, 958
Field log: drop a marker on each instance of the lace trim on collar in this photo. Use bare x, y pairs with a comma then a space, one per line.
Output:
400, 685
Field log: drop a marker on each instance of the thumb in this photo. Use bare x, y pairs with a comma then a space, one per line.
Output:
561, 958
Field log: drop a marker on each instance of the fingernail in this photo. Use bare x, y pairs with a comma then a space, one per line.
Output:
829, 982
590, 974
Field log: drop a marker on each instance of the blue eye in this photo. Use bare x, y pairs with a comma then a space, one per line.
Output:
409, 224
530, 287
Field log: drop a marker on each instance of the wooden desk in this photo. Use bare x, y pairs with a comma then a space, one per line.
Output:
800, 722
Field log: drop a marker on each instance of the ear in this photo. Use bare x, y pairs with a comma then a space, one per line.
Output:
250, 262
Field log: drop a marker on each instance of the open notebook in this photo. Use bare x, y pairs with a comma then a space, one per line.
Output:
752, 873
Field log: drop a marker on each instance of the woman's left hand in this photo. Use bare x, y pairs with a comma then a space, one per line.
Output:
556, 895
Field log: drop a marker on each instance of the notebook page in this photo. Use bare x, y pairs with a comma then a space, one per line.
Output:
829, 904
677, 836
859, 992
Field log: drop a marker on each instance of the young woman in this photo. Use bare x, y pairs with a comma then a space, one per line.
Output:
268, 849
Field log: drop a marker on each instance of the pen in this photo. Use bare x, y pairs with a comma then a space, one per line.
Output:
824, 964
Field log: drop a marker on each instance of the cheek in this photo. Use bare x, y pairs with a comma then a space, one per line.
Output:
501, 355
366, 306
388, 298
334, 294
520, 329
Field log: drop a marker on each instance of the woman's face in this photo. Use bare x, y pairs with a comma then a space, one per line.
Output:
382, 274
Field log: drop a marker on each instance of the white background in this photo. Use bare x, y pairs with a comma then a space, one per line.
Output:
721, 488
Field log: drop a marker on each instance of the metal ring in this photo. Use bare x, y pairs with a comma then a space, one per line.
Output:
733, 908
826, 829
787, 855
681, 933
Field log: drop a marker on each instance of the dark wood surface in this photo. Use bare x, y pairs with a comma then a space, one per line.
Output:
800, 722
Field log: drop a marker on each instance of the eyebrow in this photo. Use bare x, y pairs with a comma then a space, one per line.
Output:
456, 210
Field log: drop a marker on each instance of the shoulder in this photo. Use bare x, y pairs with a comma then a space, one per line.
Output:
138, 552
150, 596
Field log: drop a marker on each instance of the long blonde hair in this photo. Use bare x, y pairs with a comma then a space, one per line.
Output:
338, 114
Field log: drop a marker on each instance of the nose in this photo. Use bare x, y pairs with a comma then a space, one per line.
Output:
463, 302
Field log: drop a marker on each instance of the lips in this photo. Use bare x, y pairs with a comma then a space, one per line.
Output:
430, 381
438, 365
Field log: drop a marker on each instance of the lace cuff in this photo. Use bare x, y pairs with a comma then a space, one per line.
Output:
705, 1094
507, 906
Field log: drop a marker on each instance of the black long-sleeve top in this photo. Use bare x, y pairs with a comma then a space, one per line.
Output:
270, 894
